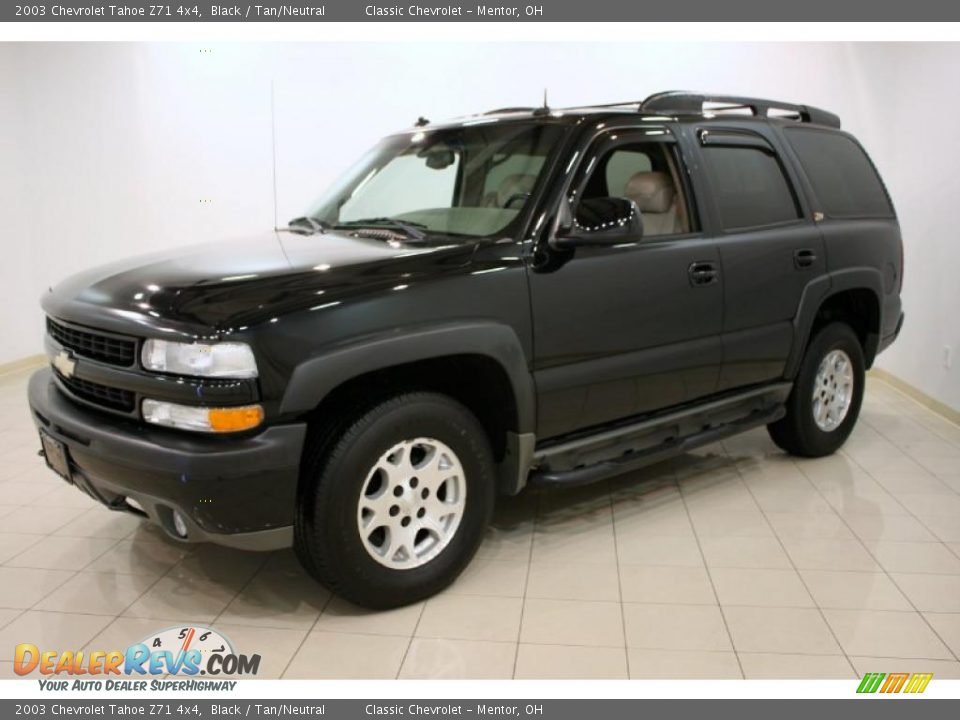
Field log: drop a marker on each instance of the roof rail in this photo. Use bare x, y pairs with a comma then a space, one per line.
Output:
499, 111
678, 102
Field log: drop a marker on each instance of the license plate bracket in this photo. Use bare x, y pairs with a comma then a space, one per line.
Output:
56, 455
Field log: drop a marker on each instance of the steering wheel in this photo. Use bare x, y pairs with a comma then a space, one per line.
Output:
513, 198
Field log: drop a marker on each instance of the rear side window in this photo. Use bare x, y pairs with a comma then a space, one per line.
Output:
842, 175
749, 187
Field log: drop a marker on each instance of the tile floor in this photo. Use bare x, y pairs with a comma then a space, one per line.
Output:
735, 561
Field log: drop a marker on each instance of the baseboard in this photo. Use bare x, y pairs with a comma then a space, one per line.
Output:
27, 363
918, 395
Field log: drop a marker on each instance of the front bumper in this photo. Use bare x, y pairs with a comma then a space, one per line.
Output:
234, 491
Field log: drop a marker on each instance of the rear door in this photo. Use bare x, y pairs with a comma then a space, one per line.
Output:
770, 248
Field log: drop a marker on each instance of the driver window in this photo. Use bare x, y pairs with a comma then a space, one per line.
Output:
623, 164
644, 173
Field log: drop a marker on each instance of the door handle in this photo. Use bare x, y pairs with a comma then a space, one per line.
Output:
703, 273
804, 258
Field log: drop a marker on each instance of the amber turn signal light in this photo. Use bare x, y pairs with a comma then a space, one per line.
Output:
202, 419
235, 419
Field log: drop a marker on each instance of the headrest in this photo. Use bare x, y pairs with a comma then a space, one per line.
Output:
652, 191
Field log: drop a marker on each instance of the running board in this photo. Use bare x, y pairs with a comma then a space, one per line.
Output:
622, 449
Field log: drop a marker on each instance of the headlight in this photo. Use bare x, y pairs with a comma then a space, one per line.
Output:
213, 420
217, 360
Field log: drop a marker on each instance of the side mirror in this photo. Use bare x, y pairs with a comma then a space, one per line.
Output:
600, 221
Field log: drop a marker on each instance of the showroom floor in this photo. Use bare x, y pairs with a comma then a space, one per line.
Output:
736, 561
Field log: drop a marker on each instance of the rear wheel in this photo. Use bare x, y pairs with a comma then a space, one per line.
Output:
395, 506
825, 401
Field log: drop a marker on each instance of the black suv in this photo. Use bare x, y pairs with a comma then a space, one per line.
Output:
529, 296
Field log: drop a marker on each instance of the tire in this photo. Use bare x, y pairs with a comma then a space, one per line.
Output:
800, 432
379, 549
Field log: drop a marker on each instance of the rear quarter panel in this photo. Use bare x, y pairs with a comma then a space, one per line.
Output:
873, 245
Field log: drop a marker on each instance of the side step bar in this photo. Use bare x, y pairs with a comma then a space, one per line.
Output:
622, 449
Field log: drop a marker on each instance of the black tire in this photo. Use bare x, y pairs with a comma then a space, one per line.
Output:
336, 467
798, 432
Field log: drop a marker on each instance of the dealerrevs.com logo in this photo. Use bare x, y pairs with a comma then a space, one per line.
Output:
176, 651
888, 683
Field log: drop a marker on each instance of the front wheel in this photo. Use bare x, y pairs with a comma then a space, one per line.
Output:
396, 508
825, 401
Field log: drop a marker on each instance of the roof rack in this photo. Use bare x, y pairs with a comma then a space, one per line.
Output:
500, 111
678, 102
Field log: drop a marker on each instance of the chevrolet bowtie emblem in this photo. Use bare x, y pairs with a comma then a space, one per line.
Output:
65, 363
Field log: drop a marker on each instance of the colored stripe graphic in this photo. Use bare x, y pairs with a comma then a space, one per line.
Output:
870, 682
918, 682
894, 682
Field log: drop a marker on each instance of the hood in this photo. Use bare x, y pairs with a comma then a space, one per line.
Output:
211, 289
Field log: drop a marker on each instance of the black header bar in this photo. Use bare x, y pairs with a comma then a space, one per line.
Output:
447, 11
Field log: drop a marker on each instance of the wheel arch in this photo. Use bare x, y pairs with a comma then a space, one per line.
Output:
499, 388
852, 296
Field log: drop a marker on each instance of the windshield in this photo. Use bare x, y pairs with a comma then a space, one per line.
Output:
471, 181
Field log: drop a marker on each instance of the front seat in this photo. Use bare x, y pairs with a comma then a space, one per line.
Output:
510, 186
655, 195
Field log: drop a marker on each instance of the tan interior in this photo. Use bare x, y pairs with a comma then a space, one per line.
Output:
655, 195
519, 184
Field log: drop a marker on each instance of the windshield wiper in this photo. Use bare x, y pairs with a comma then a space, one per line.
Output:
307, 223
413, 230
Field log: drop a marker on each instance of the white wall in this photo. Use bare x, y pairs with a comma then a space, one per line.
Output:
910, 93
107, 150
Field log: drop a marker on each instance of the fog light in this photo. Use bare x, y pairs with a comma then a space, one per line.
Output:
217, 420
179, 524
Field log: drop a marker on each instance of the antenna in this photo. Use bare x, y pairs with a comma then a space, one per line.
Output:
273, 151
545, 110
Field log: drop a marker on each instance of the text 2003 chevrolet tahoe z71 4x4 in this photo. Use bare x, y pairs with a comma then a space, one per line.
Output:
524, 297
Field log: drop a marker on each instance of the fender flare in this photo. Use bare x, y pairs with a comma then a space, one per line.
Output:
816, 293
316, 377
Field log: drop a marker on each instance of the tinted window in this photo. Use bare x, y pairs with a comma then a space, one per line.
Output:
749, 186
390, 192
623, 165
512, 167
841, 174
642, 172
473, 181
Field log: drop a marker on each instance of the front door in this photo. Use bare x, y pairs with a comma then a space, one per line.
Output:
632, 328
